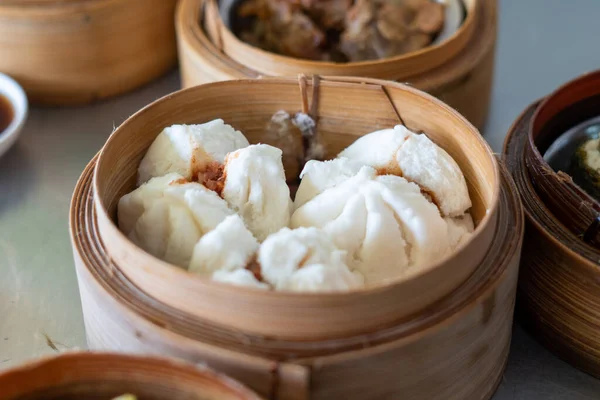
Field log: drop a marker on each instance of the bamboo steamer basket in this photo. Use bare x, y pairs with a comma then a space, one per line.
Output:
78, 51
455, 350
345, 109
104, 376
559, 287
458, 71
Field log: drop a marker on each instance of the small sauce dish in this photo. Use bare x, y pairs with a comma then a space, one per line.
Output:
13, 111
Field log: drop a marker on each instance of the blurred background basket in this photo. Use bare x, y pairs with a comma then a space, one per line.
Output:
95, 376
458, 71
78, 51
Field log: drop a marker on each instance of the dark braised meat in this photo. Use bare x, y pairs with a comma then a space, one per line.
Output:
281, 26
341, 30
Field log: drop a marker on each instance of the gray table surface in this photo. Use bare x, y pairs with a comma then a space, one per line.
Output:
542, 44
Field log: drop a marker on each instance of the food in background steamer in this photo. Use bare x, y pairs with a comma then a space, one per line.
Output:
340, 30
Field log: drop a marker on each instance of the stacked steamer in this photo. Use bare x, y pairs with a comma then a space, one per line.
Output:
78, 51
456, 67
552, 152
440, 331
118, 377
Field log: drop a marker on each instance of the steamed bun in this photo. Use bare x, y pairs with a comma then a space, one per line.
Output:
384, 223
168, 215
399, 151
214, 251
189, 149
318, 176
305, 260
239, 277
459, 229
255, 187
215, 256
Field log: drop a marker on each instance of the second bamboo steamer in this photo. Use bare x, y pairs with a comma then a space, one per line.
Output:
463, 81
78, 51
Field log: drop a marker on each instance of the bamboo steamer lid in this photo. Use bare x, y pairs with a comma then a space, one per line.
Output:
458, 71
105, 376
78, 51
456, 349
559, 290
345, 109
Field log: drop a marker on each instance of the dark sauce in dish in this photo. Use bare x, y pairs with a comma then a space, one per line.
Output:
6, 113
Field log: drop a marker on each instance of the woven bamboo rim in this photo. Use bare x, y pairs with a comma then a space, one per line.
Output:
313, 315
394, 68
488, 295
69, 52
105, 375
559, 287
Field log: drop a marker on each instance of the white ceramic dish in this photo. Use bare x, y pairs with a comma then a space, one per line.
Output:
15, 94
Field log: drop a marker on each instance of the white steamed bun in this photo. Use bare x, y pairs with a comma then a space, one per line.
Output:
459, 229
305, 260
189, 149
415, 157
239, 277
384, 223
168, 215
256, 189
228, 247
317, 176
